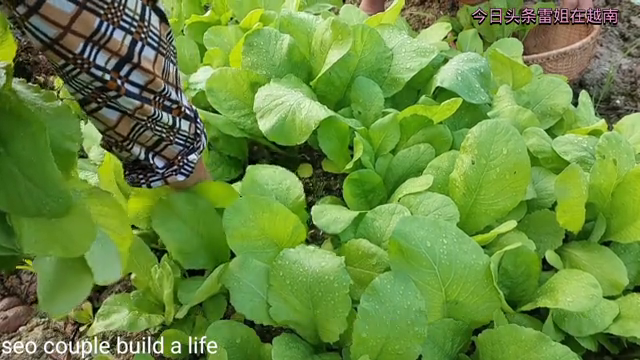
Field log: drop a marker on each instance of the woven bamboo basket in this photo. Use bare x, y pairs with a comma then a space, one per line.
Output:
562, 49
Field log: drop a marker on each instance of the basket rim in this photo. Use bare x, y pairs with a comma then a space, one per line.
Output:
594, 33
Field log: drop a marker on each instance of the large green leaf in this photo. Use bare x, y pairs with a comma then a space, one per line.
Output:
410, 56
68, 236
446, 338
414, 185
332, 219
278, 183
377, 224
368, 57
300, 282
543, 182
162, 286
301, 26
392, 320
614, 147
224, 38
385, 134
141, 261
512, 341
8, 47
231, 92
571, 189
8, 243
467, 75
590, 322
388, 16
32, 185
491, 175
239, 341
428, 112
627, 324
408, 163
208, 287
438, 136
272, 54
540, 145
120, 313
548, 97
568, 289
365, 261
602, 180
367, 103
469, 41
630, 256
432, 205
291, 347
518, 274
63, 125
63, 283
141, 203
249, 224
334, 138
441, 168
104, 260
241, 8
288, 111
191, 228
435, 33
223, 167
578, 149
506, 108
331, 42
110, 218
623, 212
247, 280
543, 229
507, 70
449, 268
196, 26
364, 190
629, 127
598, 261
585, 111
188, 54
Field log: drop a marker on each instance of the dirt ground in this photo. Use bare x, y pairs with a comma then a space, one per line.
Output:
613, 77
613, 80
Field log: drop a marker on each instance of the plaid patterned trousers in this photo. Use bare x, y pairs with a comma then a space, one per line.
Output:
118, 60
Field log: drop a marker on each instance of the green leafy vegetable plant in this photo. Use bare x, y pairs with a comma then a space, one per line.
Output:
474, 29
482, 214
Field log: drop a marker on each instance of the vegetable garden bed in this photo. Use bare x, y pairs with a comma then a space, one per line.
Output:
378, 196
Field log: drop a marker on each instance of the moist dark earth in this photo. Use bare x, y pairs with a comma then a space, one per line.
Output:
612, 78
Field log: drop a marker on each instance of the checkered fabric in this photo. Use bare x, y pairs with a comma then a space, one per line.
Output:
118, 60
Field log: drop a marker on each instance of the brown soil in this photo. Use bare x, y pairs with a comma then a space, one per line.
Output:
19, 291
31, 65
21, 285
612, 64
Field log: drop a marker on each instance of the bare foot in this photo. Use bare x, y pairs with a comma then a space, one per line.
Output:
372, 7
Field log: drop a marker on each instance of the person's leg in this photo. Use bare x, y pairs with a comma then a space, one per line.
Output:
372, 7
117, 59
